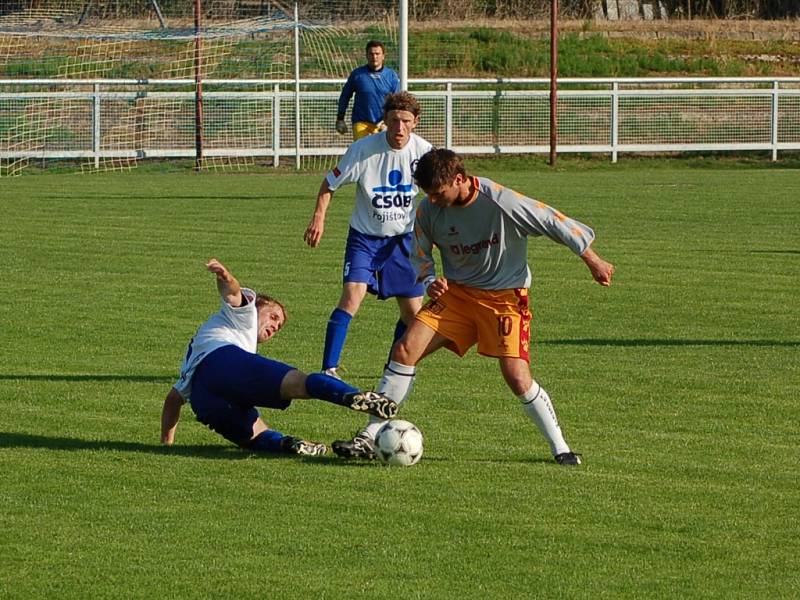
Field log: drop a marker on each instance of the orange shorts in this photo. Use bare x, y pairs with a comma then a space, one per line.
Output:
498, 320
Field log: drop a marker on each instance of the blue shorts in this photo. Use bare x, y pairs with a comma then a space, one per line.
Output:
227, 386
382, 263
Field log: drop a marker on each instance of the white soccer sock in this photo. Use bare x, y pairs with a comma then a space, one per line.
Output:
396, 383
537, 405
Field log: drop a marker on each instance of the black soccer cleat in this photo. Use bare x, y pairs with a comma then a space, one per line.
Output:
294, 445
568, 459
373, 403
359, 447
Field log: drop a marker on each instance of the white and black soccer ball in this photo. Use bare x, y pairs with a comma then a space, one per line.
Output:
399, 443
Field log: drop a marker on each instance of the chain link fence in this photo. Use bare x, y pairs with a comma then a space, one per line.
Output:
109, 83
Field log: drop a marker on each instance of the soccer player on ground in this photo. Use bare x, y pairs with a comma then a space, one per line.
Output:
376, 258
370, 83
481, 229
224, 378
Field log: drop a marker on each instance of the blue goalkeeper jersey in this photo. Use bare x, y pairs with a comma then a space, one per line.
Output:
370, 89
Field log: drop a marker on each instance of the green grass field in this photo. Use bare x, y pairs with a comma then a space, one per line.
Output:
679, 384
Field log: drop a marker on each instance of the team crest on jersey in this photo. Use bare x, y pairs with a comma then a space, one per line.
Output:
395, 184
394, 195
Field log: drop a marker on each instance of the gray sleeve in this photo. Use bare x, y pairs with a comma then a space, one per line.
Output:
422, 252
535, 218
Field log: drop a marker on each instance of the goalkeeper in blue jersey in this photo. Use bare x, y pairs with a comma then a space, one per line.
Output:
370, 83
480, 296
223, 378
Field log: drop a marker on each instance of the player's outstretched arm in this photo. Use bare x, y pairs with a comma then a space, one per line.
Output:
316, 226
227, 284
600, 269
170, 414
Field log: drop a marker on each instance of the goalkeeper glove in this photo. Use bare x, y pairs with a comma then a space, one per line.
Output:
341, 126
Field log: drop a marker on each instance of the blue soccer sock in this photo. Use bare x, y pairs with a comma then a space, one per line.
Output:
335, 335
330, 389
266, 441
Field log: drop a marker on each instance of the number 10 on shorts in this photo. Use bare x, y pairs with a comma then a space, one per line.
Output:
504, 325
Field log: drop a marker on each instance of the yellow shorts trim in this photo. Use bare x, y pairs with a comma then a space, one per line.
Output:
499, 321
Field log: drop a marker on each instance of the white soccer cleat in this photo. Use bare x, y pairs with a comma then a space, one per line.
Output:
331, 372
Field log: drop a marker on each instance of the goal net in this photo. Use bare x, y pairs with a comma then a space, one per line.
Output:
157, 51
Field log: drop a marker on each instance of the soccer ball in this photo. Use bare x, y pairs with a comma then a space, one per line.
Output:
399, 443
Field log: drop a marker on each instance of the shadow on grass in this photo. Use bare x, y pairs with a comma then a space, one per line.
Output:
365, 380
65, 444
27, 440
58, 377
173, 197
670, 342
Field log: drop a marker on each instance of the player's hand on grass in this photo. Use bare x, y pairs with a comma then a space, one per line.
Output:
437, 287
600, 269
341, 126
170, 414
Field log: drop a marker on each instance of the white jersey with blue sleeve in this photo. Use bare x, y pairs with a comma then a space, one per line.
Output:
385, 189
483, 243
231, 326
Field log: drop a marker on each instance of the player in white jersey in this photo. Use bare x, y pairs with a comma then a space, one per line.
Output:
379, 242
481, 230
224, 378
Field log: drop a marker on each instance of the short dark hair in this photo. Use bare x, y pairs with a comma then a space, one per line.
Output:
438, 167
401, 101
375, 44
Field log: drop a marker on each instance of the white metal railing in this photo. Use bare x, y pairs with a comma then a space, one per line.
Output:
104, 119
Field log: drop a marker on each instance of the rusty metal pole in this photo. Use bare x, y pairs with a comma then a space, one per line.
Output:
198, 88
553, 80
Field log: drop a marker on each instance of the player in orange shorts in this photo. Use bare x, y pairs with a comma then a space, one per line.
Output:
497, 320
481, 229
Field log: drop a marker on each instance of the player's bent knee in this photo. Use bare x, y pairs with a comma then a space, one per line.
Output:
232, 430
407, 314
518, 387
517, 375
518, 384
293, 385
402, 354
350, 304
